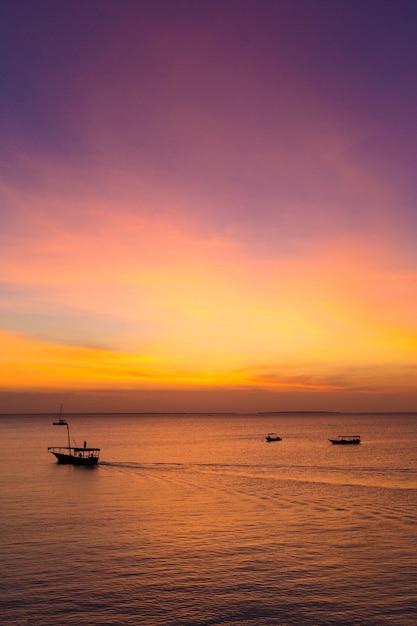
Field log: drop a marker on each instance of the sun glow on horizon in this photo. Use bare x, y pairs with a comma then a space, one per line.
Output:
209, 312
223, 210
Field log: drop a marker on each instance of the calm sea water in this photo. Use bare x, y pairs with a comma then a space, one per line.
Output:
194, 520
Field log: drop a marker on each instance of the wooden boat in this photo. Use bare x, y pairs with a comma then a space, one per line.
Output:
272, 437
344, 440
76, 456
73, 455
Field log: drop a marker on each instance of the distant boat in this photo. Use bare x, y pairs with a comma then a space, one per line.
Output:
344, 440
59, 420
73, 455
272, 437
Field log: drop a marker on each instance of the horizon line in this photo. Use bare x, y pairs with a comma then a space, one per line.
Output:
292, 412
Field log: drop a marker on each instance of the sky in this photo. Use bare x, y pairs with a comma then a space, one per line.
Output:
208, 205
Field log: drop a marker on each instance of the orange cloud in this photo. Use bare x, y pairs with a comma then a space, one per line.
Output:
173, 305
29, 365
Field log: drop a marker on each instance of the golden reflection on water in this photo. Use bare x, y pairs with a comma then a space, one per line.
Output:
191, 523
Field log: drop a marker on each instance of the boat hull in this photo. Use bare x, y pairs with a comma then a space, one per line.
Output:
69, 459
345, 442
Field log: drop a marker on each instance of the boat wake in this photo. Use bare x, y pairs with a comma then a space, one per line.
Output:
399, 478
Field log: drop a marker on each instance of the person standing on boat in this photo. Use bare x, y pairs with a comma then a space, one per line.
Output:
85, 444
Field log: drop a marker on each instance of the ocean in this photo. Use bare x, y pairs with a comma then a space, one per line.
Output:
195, 520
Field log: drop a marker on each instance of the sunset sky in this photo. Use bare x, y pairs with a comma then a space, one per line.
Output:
208, 205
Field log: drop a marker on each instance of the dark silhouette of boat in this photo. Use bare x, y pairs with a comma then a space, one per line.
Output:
73, 455
59, 420
345, 440
272, 437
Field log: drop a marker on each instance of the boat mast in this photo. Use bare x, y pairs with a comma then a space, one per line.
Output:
69, 439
